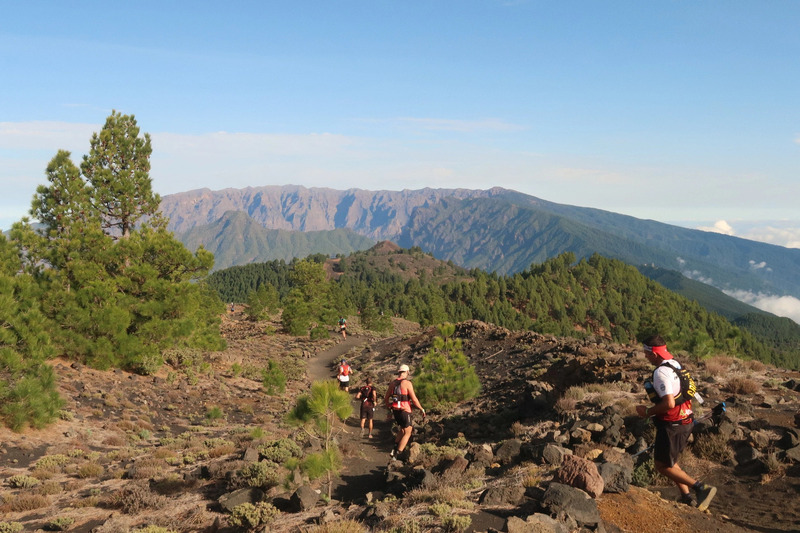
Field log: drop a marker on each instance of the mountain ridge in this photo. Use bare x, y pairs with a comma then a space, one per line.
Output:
406, 216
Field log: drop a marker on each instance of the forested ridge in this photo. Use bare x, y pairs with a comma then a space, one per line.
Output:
595, 296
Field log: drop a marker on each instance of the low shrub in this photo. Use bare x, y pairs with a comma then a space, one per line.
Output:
137, 497
25, 502
59, 524
10, 527
263, 474
146, 468
457, 523
48, 488
252, 516
643, 474
273, 379
154, 529
22, 482
342, 526
214, 413
52, 461
452, 496
712, 447
90, 470
280, 450
740, 385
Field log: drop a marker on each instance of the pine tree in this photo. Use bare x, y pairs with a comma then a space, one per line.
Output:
116, 301
318, 412
446, 376
118, 171
28, 394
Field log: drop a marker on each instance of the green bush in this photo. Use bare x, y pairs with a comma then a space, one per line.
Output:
274, 380
319, 333
279, 451
644, 473
22, 482
262, 474
456, 523
10, 527
252, 516
446, 377
214, 413
59, 524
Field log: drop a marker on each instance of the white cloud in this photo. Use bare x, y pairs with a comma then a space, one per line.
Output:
788, 237
49, 136
759, 265
786, 306
778, 232
720, 226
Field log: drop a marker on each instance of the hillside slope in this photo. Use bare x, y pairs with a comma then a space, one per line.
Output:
169, 450
236, 239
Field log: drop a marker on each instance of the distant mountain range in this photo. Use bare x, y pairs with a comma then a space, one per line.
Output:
496, 230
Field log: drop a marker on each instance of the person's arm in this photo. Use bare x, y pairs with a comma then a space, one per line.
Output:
413, 397
667, 402
386, 399
662, 384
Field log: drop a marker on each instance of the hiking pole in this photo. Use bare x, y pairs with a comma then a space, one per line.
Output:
714, 415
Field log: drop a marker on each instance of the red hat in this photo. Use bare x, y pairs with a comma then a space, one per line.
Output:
660, 351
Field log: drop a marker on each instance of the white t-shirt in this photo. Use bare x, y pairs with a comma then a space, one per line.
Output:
665, 381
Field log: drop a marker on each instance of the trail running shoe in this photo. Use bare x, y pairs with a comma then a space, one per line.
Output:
687, 499
705, 493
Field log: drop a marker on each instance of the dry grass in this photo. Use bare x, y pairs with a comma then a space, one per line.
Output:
742, 385
712, 447
342, 526
453, 496
146, 468
754, 365
24, 502
137, 497
565, 405
719, 365
115, 440
90, 470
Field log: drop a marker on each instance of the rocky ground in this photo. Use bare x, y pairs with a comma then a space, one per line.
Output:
170, 450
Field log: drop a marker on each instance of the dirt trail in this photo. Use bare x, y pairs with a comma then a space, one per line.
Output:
365, 459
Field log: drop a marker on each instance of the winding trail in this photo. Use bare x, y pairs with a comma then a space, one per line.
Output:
365, 459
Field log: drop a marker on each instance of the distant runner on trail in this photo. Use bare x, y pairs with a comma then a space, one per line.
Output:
369, 398
344, 376
673, 421
343, 327
399, 398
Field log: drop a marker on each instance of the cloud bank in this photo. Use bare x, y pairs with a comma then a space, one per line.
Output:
784, 233
786, 306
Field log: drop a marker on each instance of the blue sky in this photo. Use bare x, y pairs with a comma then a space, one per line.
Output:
682, 112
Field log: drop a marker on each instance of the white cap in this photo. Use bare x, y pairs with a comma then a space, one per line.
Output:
403, 368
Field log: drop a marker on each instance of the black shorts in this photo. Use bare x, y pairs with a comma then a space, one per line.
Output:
671, 440
403, 418
367, 411
343, 385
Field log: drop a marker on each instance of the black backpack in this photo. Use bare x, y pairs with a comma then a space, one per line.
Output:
688, 386
366, 393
